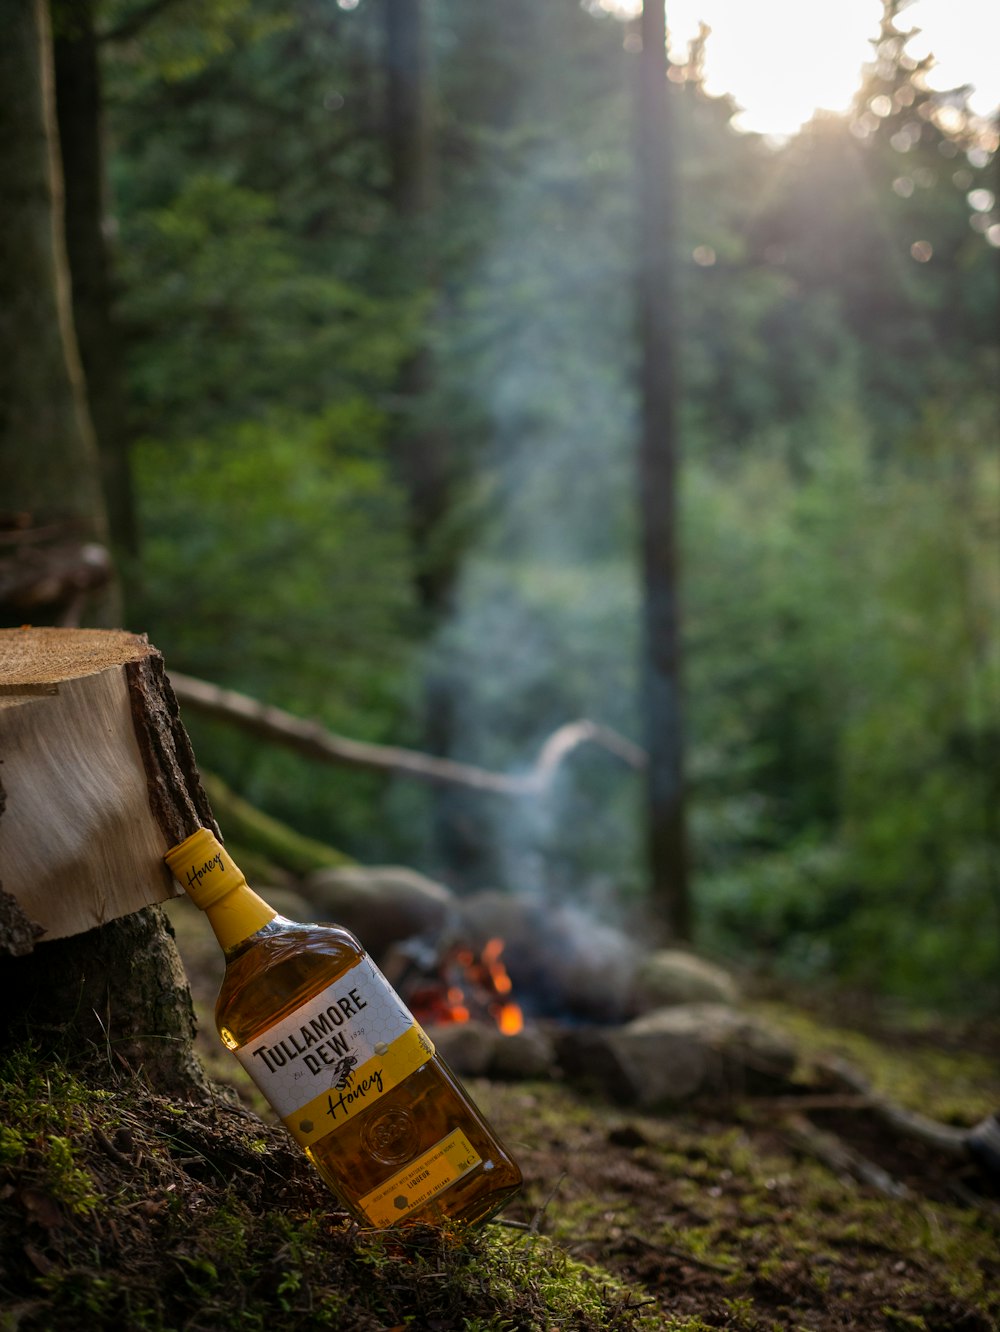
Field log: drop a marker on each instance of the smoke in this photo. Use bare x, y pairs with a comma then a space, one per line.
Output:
544, 629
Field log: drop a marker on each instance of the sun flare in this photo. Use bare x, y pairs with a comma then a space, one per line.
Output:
782, 60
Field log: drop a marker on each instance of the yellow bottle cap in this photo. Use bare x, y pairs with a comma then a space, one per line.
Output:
201, 865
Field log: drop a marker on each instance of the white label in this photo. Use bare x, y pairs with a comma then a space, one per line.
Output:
323, 1047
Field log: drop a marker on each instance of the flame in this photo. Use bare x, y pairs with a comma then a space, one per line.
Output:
509, 1017
469, 986
457, 1009
497, 971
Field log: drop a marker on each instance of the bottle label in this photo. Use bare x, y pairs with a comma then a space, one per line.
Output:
421, 1180
337, 1054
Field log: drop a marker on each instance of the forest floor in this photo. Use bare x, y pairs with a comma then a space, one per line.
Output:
122, 1209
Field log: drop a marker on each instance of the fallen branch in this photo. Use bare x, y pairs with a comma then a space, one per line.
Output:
829, 1149
314, 741
982, 1141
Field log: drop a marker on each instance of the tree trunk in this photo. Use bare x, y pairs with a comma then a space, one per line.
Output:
657, 476
79, 108
48, 456
116, 996
99, 780
422, 449
408, 128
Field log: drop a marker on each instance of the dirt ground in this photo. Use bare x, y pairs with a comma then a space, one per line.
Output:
727, 1220
723, 1215
121, 1209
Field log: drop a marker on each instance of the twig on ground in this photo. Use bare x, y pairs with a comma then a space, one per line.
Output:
683, 1255
829, 1149
539, 1216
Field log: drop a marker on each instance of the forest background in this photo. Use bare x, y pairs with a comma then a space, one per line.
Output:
369, 407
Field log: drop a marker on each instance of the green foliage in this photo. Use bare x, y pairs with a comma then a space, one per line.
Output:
839, 593
871, 212
867, 690
274, 562
191, 36
233, 321
279, 541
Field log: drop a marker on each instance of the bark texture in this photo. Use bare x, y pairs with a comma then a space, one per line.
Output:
117, 994
99, 780
41, 380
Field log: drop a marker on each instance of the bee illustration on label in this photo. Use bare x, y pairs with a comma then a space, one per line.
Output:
344, 1072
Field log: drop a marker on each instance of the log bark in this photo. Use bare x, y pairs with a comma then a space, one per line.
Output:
99, 776
115, 998
98, 781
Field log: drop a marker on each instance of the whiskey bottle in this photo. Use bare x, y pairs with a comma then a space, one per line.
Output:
342, 1061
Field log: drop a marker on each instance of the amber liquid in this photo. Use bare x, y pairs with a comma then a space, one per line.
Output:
280, 968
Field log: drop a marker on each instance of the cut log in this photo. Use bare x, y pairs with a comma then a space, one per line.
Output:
98, 777
98, 781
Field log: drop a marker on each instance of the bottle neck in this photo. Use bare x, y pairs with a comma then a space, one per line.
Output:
237, 915
213, 882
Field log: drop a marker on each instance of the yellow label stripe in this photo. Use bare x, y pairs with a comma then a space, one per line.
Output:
361, 1087
414, 1185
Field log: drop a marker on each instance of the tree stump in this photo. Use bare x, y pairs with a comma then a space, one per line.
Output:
98, 779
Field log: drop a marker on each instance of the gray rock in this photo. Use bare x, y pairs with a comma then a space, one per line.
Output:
468, 1048
673, 1054
643, 1069
525, 1055
381, 904
671, 976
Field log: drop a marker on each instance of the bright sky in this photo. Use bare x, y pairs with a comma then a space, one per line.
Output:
781, 59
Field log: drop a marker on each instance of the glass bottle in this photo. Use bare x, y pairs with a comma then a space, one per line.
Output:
342, 1061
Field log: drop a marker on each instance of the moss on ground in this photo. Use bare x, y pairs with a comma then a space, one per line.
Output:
120, 1208
722, 1217
924, 1069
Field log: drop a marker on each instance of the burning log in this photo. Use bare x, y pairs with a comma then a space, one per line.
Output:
452, 983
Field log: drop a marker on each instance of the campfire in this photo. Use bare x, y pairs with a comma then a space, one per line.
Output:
459, 985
